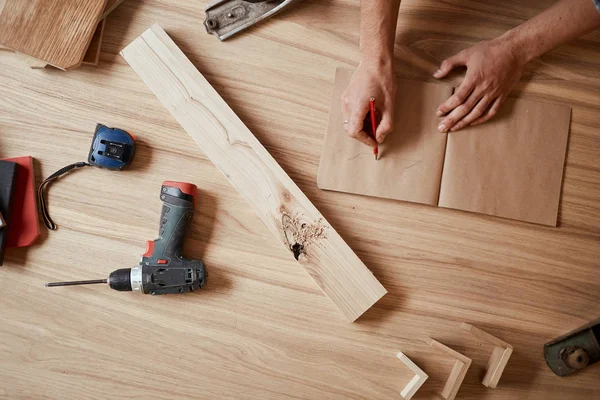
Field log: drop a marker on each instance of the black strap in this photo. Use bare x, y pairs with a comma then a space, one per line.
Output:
47, 220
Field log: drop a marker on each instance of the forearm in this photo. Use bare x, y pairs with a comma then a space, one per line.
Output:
378, 30
562, 22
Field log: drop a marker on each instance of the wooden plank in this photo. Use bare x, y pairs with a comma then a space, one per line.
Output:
486, 337
496, 367
236, 152
445, 349
55, 31
416, 382
455, 379
92, 55
499, 358
459, 370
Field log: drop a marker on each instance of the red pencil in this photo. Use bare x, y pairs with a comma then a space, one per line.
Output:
374, 124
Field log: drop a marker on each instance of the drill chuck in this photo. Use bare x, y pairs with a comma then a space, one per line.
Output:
120, 280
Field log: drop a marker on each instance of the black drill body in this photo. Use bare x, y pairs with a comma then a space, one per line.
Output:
163, 269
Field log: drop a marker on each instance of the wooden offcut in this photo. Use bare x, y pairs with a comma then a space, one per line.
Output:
458, 372
55, 31
499, 358
236, 152
92, 54
416, 382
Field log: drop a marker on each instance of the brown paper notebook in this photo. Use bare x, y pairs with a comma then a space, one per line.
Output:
510, 167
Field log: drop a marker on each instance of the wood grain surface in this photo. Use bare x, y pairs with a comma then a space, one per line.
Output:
261, 329
253, 172
92, 54
55, 31
416, 382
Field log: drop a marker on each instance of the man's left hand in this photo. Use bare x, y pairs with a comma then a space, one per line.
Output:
493, 69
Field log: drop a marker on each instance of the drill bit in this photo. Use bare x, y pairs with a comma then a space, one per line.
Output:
72, 283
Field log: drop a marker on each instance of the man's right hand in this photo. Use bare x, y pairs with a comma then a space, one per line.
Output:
369, 80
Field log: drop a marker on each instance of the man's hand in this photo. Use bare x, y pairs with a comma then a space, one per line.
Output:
369, 81
493, 69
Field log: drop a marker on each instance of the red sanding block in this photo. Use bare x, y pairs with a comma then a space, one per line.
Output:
8, 175
23, 229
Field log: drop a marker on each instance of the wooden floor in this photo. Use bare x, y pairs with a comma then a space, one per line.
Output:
262, 329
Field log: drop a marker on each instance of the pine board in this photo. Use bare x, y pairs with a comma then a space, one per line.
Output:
236, 152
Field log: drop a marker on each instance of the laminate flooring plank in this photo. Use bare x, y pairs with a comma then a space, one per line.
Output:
55, 31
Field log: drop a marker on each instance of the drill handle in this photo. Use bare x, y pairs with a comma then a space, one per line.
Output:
175, 219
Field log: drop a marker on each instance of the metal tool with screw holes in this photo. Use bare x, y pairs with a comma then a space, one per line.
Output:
163, 269
575, 350
225, 18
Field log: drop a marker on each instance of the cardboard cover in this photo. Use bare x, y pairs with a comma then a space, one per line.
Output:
511, 166
410, 161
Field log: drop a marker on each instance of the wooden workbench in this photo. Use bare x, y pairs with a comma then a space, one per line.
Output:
262, 329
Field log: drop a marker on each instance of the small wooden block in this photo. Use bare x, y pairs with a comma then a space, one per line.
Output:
459, 370
416, 382
92, 54
499, 358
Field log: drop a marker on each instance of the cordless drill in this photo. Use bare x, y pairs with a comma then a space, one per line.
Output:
163, 269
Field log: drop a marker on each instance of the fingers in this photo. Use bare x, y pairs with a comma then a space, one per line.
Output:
385, 127
449, 64
475, 113
460, 111
458, 98
363, 137
491, 112
354, 127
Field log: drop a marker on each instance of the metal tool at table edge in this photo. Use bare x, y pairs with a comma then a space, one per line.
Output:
225, 18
